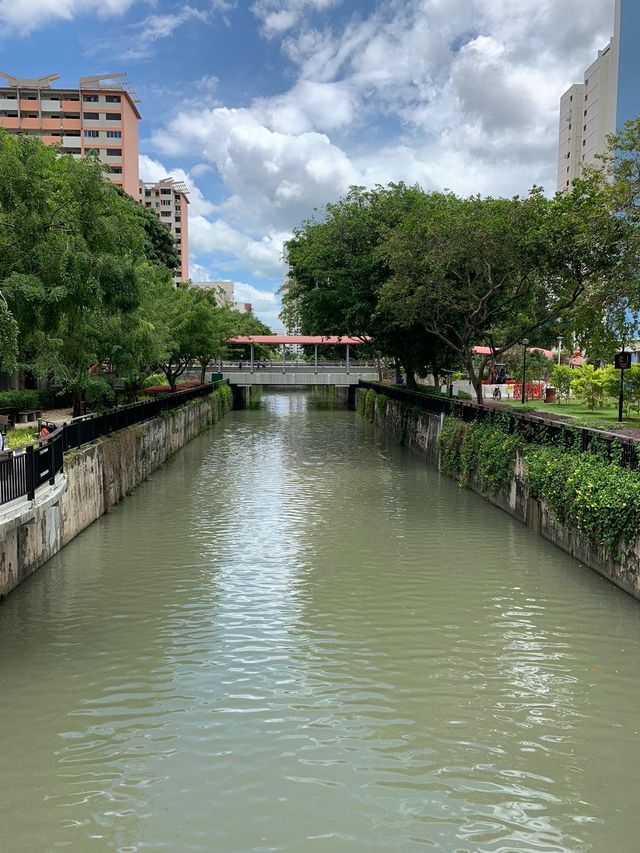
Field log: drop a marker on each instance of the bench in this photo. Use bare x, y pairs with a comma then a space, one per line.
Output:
11, 413
29, 416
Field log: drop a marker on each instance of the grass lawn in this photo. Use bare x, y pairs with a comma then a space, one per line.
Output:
606, 418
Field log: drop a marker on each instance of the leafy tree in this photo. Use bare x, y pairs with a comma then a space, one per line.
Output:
70, 246
592, 385
495, 271
159, 245
562, 378
337, 274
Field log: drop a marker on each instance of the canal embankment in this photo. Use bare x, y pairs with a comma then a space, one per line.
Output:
95, 477
580, 498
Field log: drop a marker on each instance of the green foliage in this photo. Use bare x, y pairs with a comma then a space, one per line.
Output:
155, 379
369, 404
485, 450
23, 400
592, 385
599, 497
19, 438
451, 440
562, 378
221, 401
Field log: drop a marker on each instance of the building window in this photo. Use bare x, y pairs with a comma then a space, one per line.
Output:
91, 134
164, 191
570, 97
569, 127
568, 154
114, 134
113, 99
585, 112
165, 213
147, 193
92, 98
584, 142
91, 116
166, 202
112, 116
117, 170
114, 152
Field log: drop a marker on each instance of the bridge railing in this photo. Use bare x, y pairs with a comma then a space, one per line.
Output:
24, 469
531, 427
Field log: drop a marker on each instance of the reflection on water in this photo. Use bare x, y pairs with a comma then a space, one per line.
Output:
296, 636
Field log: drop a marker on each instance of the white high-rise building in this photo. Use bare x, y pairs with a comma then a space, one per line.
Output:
587, 117
605, 101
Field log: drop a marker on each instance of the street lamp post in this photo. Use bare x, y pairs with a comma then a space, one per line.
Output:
559, 349
524, 368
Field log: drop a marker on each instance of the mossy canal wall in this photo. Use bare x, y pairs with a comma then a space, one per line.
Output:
420, 430
96, 477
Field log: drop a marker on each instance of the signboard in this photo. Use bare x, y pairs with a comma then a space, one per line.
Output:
623, 361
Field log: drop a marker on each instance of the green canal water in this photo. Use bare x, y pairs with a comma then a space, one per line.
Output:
296, 636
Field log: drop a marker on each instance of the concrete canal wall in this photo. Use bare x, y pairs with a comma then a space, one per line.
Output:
420, 430
96, 477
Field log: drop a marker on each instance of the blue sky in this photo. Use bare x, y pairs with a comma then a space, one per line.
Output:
269, 109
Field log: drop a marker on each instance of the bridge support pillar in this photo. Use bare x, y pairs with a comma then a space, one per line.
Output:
252, 353
315, 358
348, 353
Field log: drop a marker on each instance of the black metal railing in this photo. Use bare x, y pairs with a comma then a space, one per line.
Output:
532, 428
23, 470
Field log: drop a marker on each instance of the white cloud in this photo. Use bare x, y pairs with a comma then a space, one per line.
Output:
152, 170
24, 16
278, 16
448, 93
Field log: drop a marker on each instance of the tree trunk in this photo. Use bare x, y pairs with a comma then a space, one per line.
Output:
396, 363
203, 370
411, 379
476, 381
77, 404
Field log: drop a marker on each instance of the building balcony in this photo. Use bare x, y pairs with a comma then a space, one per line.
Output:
29, 106
54, 124
9, 104
10, 122
51, 140
31, 123
49, 106
71, 142
71, 106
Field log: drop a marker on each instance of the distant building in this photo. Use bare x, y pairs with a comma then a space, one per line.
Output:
607, 98
225, 291
169, 201
99, 115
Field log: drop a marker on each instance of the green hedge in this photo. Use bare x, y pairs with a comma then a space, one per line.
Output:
486, 450
22, 400
599, 497
587, 490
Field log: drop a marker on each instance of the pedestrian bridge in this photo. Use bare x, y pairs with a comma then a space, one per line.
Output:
296, 373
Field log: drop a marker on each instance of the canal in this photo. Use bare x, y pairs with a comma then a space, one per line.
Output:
296, 636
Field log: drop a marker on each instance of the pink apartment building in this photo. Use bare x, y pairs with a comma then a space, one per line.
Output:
169, 199
100, 115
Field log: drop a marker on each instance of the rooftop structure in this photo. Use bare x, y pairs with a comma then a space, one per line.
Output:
100, 115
